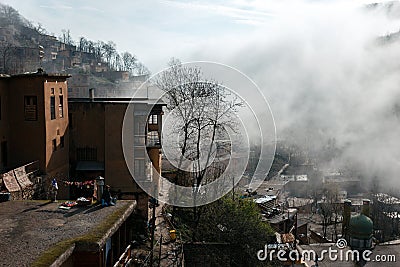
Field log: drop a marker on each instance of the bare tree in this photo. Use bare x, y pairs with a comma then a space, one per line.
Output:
66, 37
201, 108
10, 15
98, 50
109, 50
7, 56
129, 61
83, 44
40, 29
329, 208
90, 46
141, 69
385, 214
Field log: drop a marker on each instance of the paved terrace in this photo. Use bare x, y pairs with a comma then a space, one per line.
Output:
30, 228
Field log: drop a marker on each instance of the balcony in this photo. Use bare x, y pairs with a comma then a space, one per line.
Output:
153, 140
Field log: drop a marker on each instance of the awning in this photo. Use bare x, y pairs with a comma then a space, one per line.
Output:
90, 166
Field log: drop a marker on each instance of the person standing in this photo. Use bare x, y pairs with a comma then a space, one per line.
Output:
106, 199
54, 189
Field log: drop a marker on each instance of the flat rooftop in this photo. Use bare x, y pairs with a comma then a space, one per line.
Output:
28, 229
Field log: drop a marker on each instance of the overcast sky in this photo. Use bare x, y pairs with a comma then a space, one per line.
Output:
155, 31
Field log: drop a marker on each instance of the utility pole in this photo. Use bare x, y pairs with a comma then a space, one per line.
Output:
159, 252
233, 188
153, 205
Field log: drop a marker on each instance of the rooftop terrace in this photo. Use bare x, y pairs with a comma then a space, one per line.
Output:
35, 233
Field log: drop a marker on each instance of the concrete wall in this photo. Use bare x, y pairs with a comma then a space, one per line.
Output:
27, 138
116, 170
107, 250
87, 128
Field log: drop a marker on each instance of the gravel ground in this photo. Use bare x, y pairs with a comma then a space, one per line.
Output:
29, 228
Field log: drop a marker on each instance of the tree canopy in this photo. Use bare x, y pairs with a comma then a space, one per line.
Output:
233, 221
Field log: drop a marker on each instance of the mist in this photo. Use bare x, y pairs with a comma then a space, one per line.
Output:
329, 79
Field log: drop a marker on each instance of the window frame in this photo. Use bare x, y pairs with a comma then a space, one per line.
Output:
28, 105
61, 106
52, 107
153, 119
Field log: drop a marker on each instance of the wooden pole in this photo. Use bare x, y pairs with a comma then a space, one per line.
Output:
159, 252
153, 225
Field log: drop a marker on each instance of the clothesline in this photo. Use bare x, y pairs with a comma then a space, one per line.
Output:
80, 184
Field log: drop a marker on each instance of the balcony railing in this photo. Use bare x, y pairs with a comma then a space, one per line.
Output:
153, 140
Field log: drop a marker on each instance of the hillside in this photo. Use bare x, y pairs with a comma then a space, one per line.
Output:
25, 47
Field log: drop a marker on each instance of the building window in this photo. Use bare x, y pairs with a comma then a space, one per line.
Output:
60, 91
53, 107
30, 108
52, 91
61, 106
62, 141
139, 168
54, 144
153, 119
86, 154
140, 125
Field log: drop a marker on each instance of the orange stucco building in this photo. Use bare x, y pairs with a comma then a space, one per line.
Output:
34, 123
96, 124
78, 138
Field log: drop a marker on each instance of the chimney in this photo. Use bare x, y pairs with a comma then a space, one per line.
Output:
346, 217
365, 207
91, 94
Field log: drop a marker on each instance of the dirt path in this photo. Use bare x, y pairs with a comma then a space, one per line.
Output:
168, 248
